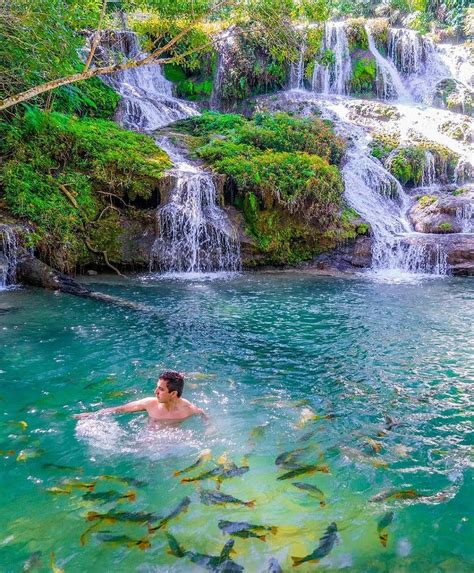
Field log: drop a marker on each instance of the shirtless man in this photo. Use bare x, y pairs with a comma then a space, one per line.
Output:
167, 405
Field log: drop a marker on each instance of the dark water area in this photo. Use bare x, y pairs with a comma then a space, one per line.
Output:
373, 379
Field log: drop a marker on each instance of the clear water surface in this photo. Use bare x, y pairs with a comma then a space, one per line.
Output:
312, 362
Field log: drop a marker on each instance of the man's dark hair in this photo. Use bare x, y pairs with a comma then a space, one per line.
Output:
174, 381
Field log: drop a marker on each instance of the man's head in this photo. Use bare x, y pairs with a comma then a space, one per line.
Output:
169, 386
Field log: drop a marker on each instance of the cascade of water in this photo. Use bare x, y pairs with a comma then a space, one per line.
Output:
429, 172
297, 69
334, 77
389, 83
147, 100
465, 217
406, 50
380, 199
8, 255
194, 233
225, 45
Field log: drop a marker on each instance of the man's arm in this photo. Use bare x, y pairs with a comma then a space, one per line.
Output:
135, 406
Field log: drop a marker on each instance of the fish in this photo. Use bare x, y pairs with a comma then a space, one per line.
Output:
52, 562
219, 473
307, 436
382, 525
174, 547
373, 446
274, 566
219, 563
326, 543
33, 562
59, 490
258, 431
182, 507
29, 454
289, 459
60, 468
109, 379
209, 497
74, 484
312, 490
390, 424
216, 563
204, 456
201, 376
7, 452
360, 457
106, 537
109, 496
210, 474
395, 494
124, 480
301, 470
132, 516
246, 530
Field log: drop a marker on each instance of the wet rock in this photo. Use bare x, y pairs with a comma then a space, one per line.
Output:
448, 214
349, 257
458, 250
453, 95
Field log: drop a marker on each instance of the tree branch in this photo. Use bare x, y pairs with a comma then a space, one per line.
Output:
96, 39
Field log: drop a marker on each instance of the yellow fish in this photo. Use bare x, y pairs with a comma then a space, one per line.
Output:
54, 567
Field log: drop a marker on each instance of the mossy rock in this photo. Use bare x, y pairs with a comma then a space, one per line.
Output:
356, 34
364, 74
407, 164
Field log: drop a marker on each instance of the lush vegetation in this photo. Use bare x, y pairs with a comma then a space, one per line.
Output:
69, 177
285, 173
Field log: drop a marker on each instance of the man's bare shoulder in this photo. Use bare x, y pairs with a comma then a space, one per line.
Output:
192, 408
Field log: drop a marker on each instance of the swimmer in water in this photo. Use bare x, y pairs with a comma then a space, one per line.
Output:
166, 405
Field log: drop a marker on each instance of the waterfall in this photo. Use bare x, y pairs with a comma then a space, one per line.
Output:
225, 46
297, 69
429, 172
465, 217
406, 50
335, 77
147, 100
389, 83
194, 233
9, 249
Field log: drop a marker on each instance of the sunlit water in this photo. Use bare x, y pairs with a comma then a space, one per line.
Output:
259, 350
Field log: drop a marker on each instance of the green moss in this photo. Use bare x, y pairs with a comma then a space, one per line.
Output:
364, 74
356, 34
285, 172
427, 200
407, 164
445, 227
58, 171
91, 98
461, 191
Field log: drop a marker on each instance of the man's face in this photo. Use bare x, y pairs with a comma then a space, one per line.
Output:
161, 392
